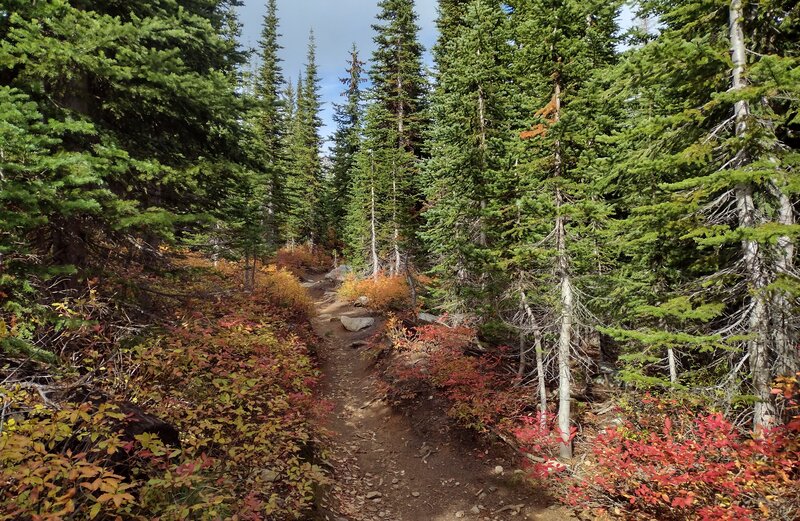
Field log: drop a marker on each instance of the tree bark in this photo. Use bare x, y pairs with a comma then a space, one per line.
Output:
567, 303
373, 234
748, 216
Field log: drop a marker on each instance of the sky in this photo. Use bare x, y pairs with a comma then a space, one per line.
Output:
337, 25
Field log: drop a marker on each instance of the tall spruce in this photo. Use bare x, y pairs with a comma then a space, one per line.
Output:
713, 133
559, 45
269, 125
305, 180
384, 213
346, 140
468, 143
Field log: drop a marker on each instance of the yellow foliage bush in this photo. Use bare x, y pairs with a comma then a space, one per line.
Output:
283, 288
384, 294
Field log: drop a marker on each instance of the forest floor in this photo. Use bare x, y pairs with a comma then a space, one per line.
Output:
409, 464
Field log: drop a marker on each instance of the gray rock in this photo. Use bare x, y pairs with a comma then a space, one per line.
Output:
339, 274
361, 302
357, 324
427, 318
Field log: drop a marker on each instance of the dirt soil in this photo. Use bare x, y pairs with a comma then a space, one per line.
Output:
411, 464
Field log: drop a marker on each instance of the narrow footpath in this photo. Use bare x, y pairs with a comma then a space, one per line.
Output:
411, 465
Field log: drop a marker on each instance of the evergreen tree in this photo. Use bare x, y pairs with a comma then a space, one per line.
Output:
713, 136
346, 141
392, 148
468, 145
269, 125
560, 44
305, 177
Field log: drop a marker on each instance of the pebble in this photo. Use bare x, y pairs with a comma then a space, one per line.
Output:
374, 495
415, 494
498, 470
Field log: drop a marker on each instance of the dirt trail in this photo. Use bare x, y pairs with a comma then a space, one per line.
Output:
411, 465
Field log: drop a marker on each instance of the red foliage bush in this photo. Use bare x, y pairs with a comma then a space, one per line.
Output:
670, 463
481, 397
232, 374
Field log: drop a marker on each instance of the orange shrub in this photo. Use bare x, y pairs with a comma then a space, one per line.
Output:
283, 288
384, 294
302, 258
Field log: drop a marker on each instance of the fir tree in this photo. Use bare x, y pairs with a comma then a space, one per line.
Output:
305, 177
346, 141
469, 134
711, 134
560, 43
390, 155
269, 126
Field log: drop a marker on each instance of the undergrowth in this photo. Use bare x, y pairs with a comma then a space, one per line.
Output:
229, 373
386, 293
300, 259
665, 458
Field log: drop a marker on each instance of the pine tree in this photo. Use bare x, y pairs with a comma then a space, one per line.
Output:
346, 141
560, 43
469, 134
390, 154
305, 183
712, 134
269, 126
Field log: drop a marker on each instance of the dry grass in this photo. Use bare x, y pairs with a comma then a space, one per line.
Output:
384, 294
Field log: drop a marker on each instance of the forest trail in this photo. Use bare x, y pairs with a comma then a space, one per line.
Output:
405, 467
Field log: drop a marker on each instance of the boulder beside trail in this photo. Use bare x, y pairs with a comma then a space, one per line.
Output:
357, 324
339, 274
361, 302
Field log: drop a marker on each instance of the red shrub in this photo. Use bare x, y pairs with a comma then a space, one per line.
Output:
479, 393
695, 467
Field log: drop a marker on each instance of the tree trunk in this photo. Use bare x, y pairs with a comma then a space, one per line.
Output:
541, 377
373, 234
567, 304
673, 366
785, 341
757, 276
396, 234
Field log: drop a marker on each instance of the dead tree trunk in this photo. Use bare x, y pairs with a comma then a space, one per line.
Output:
748, 216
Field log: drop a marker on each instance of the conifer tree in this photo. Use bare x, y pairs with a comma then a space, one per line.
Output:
392, 142
305, 177
712, 135
346, 140
560, 43
269, 126
468, 139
